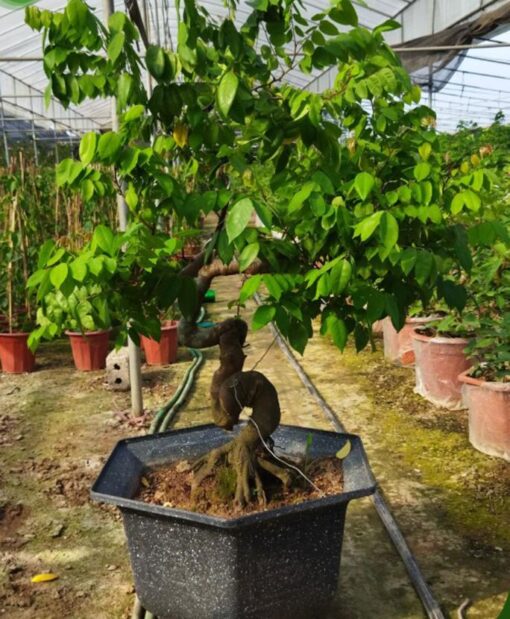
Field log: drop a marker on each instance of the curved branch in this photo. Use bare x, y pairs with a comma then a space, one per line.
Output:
189, 333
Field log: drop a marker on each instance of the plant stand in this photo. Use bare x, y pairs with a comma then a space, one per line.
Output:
277, 564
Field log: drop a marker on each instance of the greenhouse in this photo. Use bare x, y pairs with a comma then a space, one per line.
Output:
255, 309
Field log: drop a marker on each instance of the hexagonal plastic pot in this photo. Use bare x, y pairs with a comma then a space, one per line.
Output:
277, 564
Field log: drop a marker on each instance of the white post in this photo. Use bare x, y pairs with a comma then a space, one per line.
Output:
135, 371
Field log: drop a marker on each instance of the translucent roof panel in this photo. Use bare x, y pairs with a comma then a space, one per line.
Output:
22, 80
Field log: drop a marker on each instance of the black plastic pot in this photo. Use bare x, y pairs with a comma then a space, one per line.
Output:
278, 564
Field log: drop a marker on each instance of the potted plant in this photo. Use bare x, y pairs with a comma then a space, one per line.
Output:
486, 389
74, 296
162, 350
299, 545
398, 345
440, 356
486, 385
16, 318
355, 228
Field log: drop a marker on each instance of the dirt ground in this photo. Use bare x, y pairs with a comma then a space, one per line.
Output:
57, 426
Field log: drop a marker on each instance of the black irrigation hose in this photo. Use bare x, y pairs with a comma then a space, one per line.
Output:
424, 592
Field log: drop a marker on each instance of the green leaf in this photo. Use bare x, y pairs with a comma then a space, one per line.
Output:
68, 171
238, 217
425, 149
367, 226
155, 61
58, 274
36, 278
342, 453
298, 337
134, 112
455, 295
263, 314
424, 267
45, 252
457, 203
421, 171
188, 296
131, 197
408, 260
337, 330
344, 13
264, 213
88, 145
303, 194
472, 200
248, 255
116, 45
125, 85
250, 287
103, 238
388, 230
79, 269
77, 12
364, 183
109, 145
340, 276
226, 92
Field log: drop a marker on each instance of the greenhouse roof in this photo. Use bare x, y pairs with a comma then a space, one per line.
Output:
22, 79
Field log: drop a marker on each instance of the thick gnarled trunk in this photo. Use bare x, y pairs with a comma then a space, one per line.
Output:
231, 390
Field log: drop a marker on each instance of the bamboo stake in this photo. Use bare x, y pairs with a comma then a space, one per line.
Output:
10, 264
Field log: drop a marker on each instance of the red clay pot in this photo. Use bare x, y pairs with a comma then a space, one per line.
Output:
89, 349
488, 406
439, 361
164, 351
398, 345
15, 355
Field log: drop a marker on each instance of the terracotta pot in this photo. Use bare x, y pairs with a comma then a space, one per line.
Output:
439, 361
398, 345
15, 355
89, 349
488, 406
164, 351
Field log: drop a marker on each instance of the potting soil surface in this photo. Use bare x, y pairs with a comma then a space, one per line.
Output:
57, 426
171, 486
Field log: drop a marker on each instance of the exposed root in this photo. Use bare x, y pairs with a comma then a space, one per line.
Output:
248, 464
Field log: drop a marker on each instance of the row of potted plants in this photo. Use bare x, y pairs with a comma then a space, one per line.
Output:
462, 358
87, 295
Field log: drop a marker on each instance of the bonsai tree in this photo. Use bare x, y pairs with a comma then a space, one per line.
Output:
347, 184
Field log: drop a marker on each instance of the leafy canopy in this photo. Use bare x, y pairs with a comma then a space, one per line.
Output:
357, 217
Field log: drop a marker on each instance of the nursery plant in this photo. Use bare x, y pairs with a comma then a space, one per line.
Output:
357, 217
120, 279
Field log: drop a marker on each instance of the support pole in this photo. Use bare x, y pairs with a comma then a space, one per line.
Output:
135, 371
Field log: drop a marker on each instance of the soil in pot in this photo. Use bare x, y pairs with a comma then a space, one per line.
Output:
163, 352
488, 406
15, 355
89, 349
439, 359
170, 486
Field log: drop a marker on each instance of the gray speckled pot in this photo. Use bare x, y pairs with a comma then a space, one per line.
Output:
278, 564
